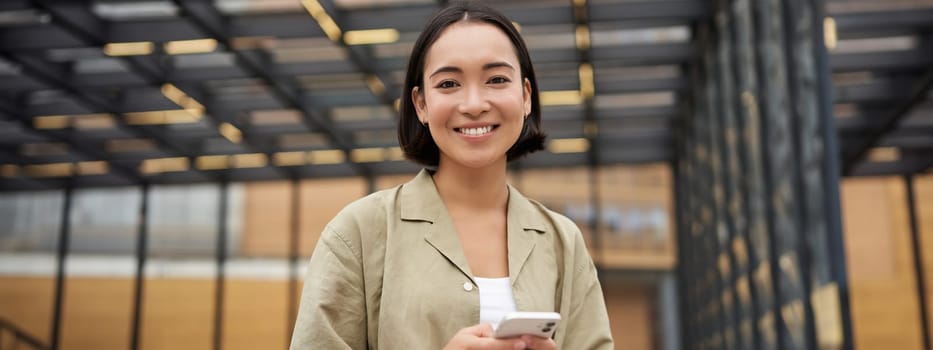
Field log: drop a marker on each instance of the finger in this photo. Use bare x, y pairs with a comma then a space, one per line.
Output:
485, 330
539, 343
503, 344
482, 330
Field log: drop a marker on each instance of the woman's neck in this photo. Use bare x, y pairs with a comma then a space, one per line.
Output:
472, 189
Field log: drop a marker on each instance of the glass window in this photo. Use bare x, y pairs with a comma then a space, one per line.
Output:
636, 227
31, 221
178, 308
28, 238
100, 268
256, 286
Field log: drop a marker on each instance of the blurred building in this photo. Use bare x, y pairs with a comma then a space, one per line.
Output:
748, 174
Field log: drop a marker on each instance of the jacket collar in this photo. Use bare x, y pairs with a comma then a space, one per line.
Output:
420, 201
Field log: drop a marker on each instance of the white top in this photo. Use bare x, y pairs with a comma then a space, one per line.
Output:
495, 299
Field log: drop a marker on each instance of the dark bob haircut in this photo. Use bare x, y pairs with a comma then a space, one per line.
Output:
414, 138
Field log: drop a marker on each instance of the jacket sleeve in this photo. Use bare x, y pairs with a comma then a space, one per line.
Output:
332, 314
588, 320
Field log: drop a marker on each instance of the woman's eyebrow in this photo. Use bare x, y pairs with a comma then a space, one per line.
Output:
446, 69
497, 64
487, 66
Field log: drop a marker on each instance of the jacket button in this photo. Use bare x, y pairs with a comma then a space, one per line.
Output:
467, 286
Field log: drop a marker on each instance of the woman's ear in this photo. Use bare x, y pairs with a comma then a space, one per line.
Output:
526, 96
417, 99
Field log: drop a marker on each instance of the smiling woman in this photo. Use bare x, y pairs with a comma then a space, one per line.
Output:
435, 262
489, 44
474, 100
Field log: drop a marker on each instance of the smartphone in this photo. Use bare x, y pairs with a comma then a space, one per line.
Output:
538, 324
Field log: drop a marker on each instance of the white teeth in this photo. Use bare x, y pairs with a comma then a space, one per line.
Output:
476, 131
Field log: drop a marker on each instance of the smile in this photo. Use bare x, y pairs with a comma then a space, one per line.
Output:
476, 131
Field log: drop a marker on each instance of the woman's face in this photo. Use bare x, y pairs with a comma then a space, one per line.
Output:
474, 98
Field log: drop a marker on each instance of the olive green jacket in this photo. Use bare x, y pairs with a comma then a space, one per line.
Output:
389, 273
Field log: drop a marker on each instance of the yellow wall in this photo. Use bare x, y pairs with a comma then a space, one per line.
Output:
267, 224
631, 314
924, 197
882, 286
179, 313
27, 303
255, 315
97, 313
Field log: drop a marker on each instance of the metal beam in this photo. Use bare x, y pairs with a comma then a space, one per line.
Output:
866, 117
911, 60
405, 19
909, 163
14, 5
37, 37
364, 58
645, 54
209, 20
881, 23
926, 165
79, 21
641, 85
148, 96
81, 148
142, 241
590, 126
77, 18
917, 250
882, 90
921, 88
178, 74
635, 10
293, 251
10, 156
541, 160
43, 36
221, 260
64, 239
55, 76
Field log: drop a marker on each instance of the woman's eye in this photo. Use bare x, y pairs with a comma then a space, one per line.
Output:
499, 80
447, 84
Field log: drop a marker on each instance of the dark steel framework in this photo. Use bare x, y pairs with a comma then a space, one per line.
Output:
759, 161
751, 135
18, 338
919, 274
46, 49
45, 54
142, 242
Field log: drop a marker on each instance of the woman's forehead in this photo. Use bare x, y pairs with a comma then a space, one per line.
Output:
471, 42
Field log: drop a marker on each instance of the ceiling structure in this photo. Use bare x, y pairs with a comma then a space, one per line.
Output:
106, 93
882, 75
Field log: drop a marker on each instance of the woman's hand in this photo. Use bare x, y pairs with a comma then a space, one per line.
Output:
479, 337
538, 343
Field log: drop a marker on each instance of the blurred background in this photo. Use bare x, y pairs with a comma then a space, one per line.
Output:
748, 174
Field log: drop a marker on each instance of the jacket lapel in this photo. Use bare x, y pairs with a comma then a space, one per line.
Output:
524, 222
420, 202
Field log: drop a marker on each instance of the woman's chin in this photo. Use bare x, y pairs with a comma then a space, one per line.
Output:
477, 162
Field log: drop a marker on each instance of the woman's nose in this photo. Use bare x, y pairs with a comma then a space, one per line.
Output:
474, 103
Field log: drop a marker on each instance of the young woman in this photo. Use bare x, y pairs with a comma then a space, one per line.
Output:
436, 262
